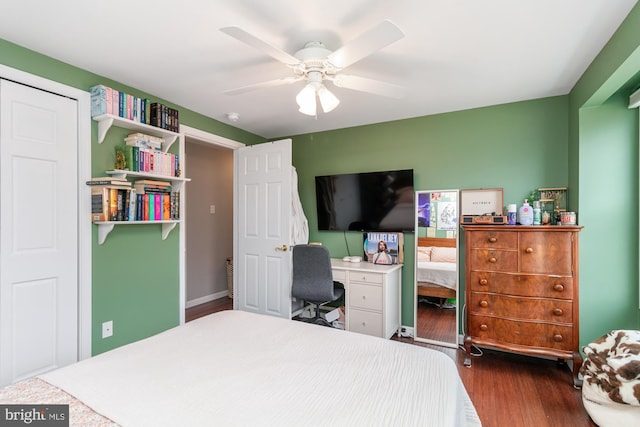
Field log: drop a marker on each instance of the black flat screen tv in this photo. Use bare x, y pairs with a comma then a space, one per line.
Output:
369, 201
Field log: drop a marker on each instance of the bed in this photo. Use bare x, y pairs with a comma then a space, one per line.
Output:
237, 368
436, 267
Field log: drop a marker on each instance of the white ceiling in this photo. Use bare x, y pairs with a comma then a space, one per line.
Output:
456, 54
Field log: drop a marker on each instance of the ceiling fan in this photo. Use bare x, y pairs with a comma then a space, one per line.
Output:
314, 63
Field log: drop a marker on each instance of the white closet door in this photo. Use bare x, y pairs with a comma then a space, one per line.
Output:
262, 228
38, 232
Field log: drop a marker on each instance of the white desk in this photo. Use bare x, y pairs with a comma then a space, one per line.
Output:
372, 296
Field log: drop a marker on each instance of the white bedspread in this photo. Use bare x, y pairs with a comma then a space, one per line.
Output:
239, 369
439, 273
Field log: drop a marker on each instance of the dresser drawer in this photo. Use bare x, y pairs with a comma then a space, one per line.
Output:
493, 260
525, 285
368, 297
365, 322
493, 239
530, 334
362, 276
545, 309
339, 276
548, 254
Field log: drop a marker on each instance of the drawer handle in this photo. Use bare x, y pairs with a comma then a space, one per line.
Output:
558, 311
529, 250
484, 327
364, 297
493, 239
364, 323
559, 287
493, 259
484, 304
557, 338
484, 282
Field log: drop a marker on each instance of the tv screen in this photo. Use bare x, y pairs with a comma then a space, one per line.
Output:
376, 201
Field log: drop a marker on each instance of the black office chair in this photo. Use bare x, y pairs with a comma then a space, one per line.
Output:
313, 279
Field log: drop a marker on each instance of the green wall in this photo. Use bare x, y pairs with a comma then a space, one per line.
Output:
519, 147
135, 274
603, 164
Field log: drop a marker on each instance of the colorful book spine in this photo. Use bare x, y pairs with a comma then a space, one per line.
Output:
145, 208
157, 203
133, 201
166, 206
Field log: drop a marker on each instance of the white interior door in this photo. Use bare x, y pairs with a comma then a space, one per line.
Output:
38, 231
262, 202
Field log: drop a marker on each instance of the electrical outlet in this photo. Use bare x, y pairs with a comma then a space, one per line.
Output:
107, 329
212, 209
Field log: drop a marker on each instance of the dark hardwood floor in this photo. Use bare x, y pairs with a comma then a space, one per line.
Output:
436, 323
506, 389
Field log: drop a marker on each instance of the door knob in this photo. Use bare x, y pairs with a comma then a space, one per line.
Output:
282, 248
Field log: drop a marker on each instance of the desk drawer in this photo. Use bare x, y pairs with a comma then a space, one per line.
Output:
368, 297
363, 276
365, 322
339, 276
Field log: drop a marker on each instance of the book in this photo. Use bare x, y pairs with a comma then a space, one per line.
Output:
384, 247
150, 205
100, 203
113, 204
166, 206
145, 207
157, 207
98, 95
133, 201
108, 180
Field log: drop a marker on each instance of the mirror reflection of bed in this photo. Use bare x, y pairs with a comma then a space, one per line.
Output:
436, 273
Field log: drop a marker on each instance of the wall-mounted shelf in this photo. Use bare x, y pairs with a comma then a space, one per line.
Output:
104, 228
176, 181
105, 122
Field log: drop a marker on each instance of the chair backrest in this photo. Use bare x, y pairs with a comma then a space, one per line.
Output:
312, 275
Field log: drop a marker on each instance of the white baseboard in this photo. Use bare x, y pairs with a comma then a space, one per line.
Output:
206, 298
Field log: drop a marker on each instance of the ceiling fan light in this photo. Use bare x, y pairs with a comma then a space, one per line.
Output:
327, 99
306, 100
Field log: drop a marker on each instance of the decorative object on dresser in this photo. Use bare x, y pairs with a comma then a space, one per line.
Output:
522, 290
482, 206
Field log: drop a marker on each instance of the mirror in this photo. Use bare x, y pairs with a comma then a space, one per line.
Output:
436, 267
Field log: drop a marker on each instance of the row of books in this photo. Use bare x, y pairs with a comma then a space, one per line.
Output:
115, 199
119, 204
105, 100
138, 159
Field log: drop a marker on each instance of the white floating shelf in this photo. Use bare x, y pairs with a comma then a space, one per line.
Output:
105, 227
105, 121
176, 181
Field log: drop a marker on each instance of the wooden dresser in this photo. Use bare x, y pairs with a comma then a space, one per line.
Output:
522, 290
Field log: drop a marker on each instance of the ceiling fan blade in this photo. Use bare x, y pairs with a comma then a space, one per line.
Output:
253, 41
363, 84
262, 85
365, 44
